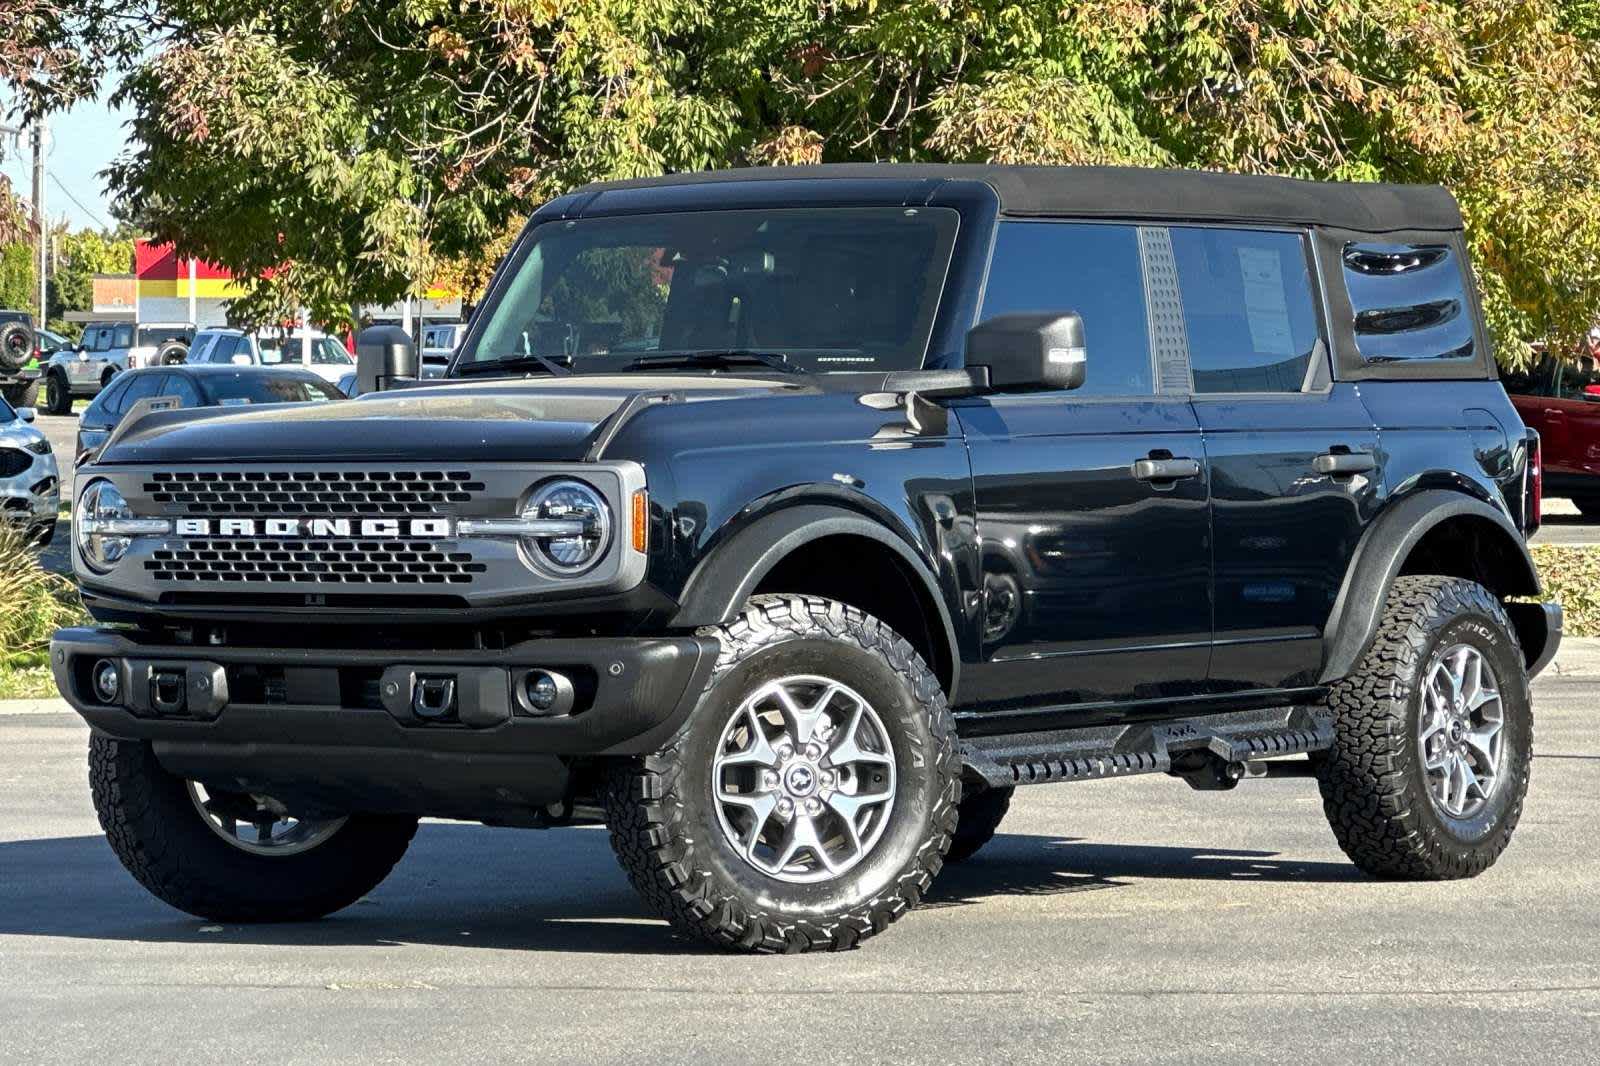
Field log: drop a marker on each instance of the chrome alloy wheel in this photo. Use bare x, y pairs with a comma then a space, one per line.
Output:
804, 779
1461, 731
259, 824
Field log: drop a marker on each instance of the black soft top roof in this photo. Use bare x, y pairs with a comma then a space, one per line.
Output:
1134, 192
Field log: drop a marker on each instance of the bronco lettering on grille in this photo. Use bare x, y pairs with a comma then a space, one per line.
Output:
315, 527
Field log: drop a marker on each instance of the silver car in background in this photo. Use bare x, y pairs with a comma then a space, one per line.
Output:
30, 484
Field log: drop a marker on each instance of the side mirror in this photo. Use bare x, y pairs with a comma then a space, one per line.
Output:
26, 414
1029, 351
383, 354
240, 360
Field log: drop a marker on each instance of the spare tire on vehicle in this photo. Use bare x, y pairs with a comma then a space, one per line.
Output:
172, 353
16, 345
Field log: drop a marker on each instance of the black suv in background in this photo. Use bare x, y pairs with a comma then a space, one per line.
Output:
19, 351
789, 520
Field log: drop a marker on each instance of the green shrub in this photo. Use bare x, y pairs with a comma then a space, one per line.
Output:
33, 604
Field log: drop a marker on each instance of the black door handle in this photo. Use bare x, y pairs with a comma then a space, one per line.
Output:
1344, 464
1165, 469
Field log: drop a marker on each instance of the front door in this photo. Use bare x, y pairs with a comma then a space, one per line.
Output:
1091, 504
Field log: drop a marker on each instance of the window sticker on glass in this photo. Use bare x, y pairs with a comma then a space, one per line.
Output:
1265, 307
234, 401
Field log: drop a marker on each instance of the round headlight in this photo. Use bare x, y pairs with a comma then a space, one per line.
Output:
99, 502
585, 509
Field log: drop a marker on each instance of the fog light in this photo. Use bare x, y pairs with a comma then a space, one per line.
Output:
107, 681
542, 691
544, 694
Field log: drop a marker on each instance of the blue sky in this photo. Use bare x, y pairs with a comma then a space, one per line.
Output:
83, 142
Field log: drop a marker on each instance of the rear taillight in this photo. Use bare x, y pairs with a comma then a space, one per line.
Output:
1533, 503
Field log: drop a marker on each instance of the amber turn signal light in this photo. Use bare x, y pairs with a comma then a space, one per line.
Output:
641, 521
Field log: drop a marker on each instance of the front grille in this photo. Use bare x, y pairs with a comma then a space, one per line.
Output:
308, 492
14, 461
349, 562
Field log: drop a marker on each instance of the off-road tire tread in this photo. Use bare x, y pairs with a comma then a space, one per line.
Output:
132, 798
1363, 787
646, 816
979, 816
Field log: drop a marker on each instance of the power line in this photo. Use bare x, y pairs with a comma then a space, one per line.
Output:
77, 201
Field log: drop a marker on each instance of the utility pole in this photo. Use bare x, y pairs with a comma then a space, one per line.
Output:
40, 220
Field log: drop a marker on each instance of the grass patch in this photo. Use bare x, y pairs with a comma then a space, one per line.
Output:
34, 603
1571, 576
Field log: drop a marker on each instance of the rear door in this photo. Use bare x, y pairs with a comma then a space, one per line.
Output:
1096, 579
1293, 457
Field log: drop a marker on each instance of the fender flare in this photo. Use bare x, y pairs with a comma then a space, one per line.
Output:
1353, 623
731, 572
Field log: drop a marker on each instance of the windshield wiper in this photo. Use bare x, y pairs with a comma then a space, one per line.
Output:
515, 361
715, 357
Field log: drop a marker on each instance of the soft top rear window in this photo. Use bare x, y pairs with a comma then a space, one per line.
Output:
1410, 302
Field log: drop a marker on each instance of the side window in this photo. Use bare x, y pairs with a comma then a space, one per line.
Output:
180, 386
222, 350
1248, 308
197, 351
98, 339
1576, 378
1090, 268
140, 386
1410, 302
109, 402
1539, 380
122, 337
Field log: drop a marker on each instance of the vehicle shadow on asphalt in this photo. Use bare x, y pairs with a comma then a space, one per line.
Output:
474, 886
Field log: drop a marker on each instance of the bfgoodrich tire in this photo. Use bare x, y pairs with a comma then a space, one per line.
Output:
1434, 736
156, 828
808, 802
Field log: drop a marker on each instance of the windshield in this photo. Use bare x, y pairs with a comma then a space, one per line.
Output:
156, 336
830, 289
325, 351
239, 390
6, 413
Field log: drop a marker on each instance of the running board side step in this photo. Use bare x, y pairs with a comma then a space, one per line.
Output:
1210, 751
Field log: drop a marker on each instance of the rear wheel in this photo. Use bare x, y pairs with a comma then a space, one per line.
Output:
1433, 736
232, 856
808, 802
980, 816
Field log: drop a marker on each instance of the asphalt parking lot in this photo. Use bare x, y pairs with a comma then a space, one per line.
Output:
1121, 922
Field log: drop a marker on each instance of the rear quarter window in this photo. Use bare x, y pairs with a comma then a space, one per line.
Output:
1410, 302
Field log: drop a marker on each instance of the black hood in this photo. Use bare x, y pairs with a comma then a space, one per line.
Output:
500, 420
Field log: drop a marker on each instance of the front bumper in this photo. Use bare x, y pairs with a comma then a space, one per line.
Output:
340, 730
32, 498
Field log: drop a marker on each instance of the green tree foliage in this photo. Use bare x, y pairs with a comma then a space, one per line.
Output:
79, 256
18, 289
357, 144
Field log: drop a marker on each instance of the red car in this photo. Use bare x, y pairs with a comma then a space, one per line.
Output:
1561, 399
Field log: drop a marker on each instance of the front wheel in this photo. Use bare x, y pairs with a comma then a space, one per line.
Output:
1433, 736
231, 856
808, 802
57, 395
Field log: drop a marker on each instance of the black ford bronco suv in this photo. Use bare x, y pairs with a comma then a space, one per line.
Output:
788, 520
